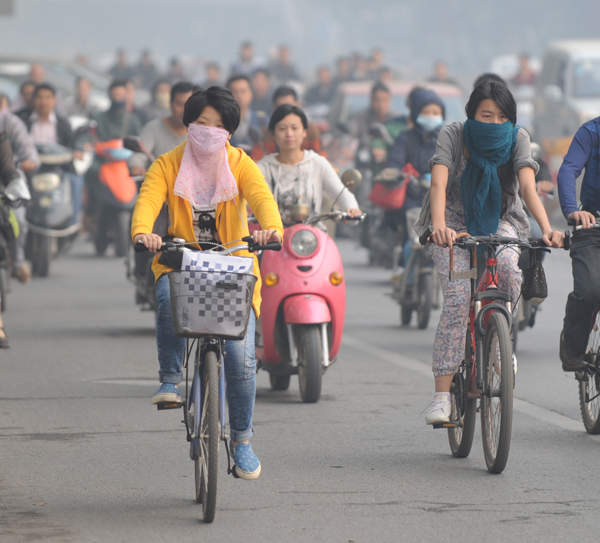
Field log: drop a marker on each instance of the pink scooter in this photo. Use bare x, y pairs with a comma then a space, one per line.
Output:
303, 302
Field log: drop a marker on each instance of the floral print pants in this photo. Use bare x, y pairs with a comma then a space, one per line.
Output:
449, 347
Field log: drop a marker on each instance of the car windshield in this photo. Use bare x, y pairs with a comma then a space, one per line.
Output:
586, 79
355, 102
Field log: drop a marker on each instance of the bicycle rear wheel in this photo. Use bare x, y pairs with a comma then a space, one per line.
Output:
497, 397
207, 463
589, 381
464, 409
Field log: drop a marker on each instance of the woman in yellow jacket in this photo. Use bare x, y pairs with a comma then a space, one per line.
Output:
206, 183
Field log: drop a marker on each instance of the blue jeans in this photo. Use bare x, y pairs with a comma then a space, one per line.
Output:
239, 364
76, 194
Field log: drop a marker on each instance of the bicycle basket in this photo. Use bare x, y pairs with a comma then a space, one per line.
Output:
213, 299
535, 288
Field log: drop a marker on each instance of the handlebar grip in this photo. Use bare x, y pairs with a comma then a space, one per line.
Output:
358, 218
139, 247
271, 246
567, 240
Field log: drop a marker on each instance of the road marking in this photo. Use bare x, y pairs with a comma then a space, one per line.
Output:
523, 406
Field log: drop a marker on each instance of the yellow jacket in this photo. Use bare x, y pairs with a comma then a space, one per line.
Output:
232, 221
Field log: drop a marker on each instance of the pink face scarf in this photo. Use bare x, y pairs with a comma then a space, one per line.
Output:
204, 178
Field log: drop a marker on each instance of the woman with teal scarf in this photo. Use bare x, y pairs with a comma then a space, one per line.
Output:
477, 171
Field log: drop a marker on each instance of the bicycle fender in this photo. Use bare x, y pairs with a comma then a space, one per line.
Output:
485, 310
306, 309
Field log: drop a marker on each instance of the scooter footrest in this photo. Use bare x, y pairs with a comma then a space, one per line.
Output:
163, 406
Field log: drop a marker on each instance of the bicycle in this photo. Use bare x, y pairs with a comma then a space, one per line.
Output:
487, 371
589, 376
204, 401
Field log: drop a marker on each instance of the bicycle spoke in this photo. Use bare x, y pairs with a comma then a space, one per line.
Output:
495, 403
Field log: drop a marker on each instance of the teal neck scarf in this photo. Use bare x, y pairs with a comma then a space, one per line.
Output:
490, 145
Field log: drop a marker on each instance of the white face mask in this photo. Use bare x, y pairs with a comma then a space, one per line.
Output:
429, 123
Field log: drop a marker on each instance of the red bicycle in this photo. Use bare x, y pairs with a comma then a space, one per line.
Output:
487, 371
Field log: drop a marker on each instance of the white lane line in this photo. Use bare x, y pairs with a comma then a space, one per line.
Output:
523, 406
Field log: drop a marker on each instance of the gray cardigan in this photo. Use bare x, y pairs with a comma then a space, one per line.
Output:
449, 151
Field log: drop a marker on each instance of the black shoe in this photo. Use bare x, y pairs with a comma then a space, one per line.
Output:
571, 361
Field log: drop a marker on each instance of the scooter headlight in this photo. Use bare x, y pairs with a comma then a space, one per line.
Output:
304, 243
45, 182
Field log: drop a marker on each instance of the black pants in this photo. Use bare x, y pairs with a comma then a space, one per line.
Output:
582, 302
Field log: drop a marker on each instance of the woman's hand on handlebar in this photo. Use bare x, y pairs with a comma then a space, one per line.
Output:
262, 237
443, 236
354, 212
554, 238
152, 241
584, 218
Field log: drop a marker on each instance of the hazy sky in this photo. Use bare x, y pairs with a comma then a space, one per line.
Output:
466, 33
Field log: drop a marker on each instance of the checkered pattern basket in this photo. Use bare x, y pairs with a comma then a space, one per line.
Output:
213, 302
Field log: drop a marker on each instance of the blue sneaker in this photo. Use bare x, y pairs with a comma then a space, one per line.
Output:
247, 464
167, 393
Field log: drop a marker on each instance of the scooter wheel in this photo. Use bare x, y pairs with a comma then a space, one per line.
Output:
279, 382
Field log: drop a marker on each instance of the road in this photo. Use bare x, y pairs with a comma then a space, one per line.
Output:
84, 456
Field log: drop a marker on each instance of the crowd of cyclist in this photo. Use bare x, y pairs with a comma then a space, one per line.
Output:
482, 173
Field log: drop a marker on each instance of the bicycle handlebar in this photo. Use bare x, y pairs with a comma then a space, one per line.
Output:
250, 246
336, 216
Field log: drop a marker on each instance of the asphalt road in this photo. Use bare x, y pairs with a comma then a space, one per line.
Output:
85, 457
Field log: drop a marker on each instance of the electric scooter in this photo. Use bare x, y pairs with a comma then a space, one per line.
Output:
303, 302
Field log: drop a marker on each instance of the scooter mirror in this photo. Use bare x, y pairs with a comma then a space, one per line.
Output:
299, 212
133, 143
351, 178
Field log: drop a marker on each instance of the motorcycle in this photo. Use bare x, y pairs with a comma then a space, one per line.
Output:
418, 288
50, 215
304, 301
117, 192
15, 194
139, 265
385, 228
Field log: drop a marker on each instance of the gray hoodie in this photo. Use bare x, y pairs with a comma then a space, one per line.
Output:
305, 182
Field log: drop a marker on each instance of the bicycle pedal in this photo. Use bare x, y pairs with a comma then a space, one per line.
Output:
437, 426
163, 406
234, 472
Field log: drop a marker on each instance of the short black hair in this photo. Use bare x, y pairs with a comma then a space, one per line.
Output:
117, 83
282, 91
379, 87
25, 84
219, 98
182, 87
496, 91
237, 77
263, 71
488, 76
282, 112
44, 86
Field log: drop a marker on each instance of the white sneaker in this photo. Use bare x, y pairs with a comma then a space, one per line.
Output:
438, 412
515, 364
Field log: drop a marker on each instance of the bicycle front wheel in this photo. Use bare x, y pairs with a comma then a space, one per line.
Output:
464, 409
497, 396
207, 463
589, 382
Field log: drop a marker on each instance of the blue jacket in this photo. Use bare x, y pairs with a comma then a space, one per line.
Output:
584, 152
416, 147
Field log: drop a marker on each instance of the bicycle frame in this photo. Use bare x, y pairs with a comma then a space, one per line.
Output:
485, 298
